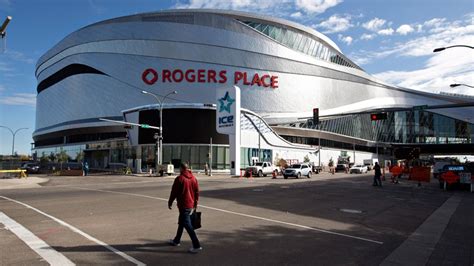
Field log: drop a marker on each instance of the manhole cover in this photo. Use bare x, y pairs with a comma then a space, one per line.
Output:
350, 210
258, 190
285, 187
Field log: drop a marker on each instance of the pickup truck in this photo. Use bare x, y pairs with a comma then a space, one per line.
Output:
261, 169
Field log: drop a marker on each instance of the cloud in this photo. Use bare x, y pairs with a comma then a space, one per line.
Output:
404, 29
367, 36
25, 99
296, 9
442, 69
388, 31
4, 67
232, 4
316, 6
296, 15
434, 23
445, 34
5, 5
375, 24
335, 23
18, 56
345, 39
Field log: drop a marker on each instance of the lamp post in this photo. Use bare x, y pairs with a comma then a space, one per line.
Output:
452, 46
13, 135
460, 84
159, 152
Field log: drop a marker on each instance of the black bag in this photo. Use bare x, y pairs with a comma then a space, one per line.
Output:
196, 219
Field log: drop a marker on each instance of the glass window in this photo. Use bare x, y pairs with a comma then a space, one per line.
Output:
298, 38
289, 39
266, 29
279, 33
316, 49
310, 47
303, 42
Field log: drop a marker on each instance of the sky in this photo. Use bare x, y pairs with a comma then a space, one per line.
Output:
392, 40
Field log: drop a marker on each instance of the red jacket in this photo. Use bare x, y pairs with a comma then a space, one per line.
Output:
185, 190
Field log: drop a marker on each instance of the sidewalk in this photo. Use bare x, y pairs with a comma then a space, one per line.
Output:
16, 183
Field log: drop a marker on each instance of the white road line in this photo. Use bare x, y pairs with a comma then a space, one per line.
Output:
78, 231
37, 245
245, 215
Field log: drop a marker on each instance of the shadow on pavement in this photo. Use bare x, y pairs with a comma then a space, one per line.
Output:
253, 245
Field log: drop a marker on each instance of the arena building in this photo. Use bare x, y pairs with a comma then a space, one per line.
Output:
284, 70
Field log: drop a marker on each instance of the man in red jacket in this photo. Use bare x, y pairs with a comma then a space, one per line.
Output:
186, 191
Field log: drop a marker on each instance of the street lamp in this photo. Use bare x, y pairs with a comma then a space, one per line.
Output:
460, 84
3, 28
13, 134
452, 46
159, 152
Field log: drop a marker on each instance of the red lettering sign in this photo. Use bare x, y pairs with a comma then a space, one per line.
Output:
150, 76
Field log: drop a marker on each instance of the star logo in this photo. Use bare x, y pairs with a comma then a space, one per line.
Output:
225, 103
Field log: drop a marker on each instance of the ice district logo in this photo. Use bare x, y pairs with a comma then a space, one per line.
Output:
225, 103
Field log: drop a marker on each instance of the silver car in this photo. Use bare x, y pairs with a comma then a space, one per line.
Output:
297, 170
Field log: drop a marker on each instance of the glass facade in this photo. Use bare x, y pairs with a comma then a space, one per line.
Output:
401, 127
301, 42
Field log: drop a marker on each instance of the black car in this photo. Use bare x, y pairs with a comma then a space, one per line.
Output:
31, 168
342, 167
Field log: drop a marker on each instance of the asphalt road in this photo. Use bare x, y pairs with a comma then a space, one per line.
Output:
325, 220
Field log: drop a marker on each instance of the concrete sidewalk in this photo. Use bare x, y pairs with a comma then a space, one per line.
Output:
17, 183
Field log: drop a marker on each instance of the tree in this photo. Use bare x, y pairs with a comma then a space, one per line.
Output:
79, 156
52, 157
44, 159
306, 159
62, 157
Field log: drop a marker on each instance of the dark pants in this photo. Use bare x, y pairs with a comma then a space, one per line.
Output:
184, 222
377, 180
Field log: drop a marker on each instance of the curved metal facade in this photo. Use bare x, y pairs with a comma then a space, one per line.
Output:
97, 70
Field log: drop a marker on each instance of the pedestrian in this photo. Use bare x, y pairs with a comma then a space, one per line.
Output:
377, 175
206, 169
85, 168
396, 172
186, 191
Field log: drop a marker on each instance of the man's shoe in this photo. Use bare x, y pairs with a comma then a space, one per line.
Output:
172, 243
194, 250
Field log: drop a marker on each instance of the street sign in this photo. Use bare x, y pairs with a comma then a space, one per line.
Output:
128, 123
450, 177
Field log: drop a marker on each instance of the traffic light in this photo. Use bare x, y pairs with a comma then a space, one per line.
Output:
315, 116
378, 116
128, 126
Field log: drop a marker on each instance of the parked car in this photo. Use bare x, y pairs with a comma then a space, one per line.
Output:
31, 168
358, 169
342, 167
370, 163
261, 169
297, 170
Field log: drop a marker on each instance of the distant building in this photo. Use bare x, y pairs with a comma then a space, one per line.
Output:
284, 70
